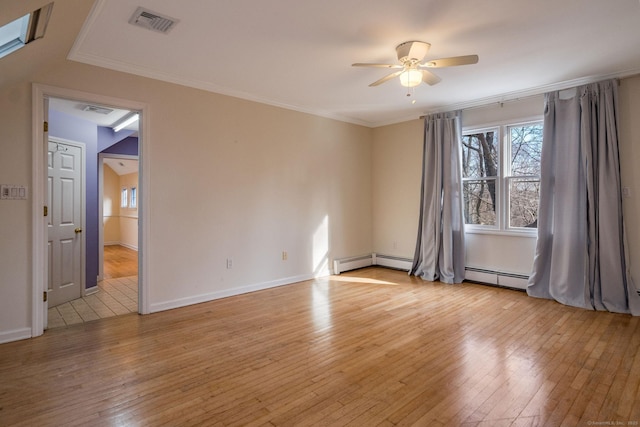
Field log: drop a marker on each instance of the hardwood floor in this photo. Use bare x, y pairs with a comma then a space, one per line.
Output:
119, 261
373, 347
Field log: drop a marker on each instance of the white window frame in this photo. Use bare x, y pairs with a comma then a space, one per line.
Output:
124, 197
14, 35
503, 179
23, 30
133, 198
485, 227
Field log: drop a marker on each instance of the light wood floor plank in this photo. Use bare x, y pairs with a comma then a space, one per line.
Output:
369, 347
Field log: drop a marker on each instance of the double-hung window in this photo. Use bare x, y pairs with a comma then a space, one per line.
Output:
501, 177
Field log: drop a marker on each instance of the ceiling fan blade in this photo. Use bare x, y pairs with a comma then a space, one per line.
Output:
386, 78
361, 64
451, 62
429, 78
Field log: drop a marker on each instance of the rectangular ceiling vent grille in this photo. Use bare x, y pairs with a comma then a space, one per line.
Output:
152, 21
97, 109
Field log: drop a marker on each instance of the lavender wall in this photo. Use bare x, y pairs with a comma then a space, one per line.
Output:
107, 137
128, 146
68, 127
96, 139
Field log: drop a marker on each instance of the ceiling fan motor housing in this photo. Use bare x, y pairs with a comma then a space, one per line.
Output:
412, 51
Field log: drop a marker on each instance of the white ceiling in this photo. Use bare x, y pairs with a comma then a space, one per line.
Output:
121, 166
79, 110
298, 54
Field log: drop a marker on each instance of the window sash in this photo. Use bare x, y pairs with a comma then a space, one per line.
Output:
480, 208
134, 198
525, 208
124, 198
507, 199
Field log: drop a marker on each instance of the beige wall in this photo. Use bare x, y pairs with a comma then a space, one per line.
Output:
228, 178
629, 91
128, 219
120, 223
396, 175
110, 206
397, 171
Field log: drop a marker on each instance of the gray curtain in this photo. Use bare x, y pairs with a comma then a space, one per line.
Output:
439, 251
580, 253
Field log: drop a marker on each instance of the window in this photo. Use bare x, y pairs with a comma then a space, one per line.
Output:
501, 177
134, 198
124, 198
24, 30
13, 35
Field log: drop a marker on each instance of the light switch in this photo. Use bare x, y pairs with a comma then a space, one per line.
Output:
13, 192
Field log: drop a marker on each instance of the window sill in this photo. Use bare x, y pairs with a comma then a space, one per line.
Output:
532, 234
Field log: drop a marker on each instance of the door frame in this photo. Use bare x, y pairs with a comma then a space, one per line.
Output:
40, 93
83, 208
101, 157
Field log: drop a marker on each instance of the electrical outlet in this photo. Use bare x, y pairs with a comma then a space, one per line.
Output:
229, 263
285, 256
626, 192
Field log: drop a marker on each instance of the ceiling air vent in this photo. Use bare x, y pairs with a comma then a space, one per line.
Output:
97, 109
152, 21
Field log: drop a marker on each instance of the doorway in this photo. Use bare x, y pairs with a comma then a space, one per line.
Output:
41, 95
118, 210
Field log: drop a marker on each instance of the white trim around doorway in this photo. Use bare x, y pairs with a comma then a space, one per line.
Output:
39, 193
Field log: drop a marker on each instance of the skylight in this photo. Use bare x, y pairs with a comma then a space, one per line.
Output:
24, 30
13, 35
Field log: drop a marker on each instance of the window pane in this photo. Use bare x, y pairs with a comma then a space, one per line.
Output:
526, 147
13, 35
124, 199
479, 202
134, 197
524, 195
480, 154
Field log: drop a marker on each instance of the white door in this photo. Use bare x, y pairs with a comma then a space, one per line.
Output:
65, 187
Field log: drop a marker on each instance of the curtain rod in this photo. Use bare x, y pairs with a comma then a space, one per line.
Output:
481, 105
519, 96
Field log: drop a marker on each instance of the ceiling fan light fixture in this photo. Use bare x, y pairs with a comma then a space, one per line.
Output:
411, 77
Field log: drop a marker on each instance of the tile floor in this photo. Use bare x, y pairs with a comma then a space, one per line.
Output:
114, 297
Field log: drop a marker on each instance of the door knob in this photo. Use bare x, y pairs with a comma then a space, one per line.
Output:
78, 230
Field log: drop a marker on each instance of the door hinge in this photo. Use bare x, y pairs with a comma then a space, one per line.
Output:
45, 126
46, 211
44, 296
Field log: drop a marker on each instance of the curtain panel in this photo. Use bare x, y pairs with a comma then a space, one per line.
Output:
439, 253
580, 254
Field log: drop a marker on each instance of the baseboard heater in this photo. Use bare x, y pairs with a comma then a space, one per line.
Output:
494, 277
353, 263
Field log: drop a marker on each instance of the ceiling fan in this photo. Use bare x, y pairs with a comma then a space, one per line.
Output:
411, 70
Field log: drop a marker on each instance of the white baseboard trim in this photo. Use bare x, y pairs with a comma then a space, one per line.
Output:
92, 290
15, 335
135, 248
197, 299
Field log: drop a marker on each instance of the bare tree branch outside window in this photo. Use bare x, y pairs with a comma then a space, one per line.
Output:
524, 183
480, 158
482, 175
